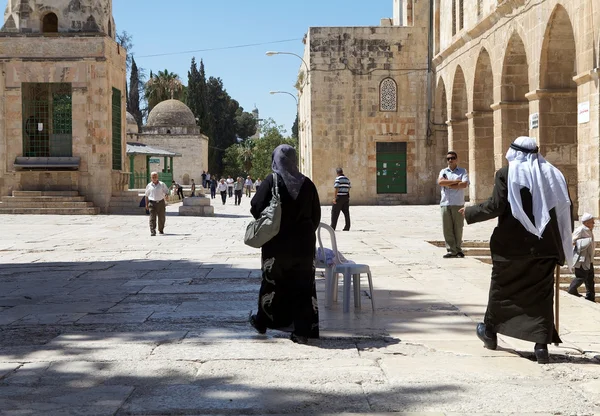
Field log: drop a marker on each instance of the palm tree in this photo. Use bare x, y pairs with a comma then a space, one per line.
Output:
163, 86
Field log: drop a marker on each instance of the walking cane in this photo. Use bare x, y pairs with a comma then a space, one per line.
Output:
556, 300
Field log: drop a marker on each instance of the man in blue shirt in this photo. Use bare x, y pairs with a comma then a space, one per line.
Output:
453, 181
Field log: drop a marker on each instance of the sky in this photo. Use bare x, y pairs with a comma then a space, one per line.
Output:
166, 28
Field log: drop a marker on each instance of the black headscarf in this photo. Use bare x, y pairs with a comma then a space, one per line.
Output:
285, 164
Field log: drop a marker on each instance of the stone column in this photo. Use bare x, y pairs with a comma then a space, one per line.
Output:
481, 155
511, 120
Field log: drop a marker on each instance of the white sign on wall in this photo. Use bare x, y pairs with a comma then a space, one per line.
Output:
583, 113
534, 121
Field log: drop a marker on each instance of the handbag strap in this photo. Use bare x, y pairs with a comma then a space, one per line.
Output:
275, 187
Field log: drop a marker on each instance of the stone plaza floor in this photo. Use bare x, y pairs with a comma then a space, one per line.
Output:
99, 318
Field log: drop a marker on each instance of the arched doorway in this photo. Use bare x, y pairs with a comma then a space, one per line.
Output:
558, 98
50, 23
514, 106
439, 133
458, 128
481, 126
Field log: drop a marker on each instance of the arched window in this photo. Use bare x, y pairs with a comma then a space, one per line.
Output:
453, 17
388, 95
461, 16
50, 23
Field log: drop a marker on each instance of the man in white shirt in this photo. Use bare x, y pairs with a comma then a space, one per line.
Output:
585, 247
453, 181
156, 196
230, 183
248, 185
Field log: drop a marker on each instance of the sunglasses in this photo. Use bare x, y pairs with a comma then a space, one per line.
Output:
451, 158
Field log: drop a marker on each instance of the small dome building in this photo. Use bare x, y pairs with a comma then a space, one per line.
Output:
171, 125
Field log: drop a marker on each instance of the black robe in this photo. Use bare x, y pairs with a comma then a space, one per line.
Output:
522, 287
288, 293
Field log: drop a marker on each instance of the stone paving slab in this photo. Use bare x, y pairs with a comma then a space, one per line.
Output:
128, 324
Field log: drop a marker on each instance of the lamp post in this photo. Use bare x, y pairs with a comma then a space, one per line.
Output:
272, 53
288, 93
300, 143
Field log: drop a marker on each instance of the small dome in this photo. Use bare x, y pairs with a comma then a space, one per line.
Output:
132, 126
171, 113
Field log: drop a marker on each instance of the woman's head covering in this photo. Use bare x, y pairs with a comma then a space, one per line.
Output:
285, 164
586, 217
548, 188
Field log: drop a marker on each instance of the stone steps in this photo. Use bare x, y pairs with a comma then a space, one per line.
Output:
127, 203
47, 203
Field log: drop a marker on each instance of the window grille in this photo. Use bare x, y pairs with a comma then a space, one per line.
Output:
461, 16
388, 95
391, 168
47, 119
116, 130
479, 8
453, 17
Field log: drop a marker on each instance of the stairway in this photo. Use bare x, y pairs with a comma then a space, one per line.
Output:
127, 203
47, 203
480, 250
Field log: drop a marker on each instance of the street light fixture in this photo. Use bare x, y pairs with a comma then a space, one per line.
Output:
271, 53
285, 92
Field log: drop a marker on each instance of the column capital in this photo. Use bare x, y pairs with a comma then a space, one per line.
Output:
509, 105
479, 114
587, 76
551, 93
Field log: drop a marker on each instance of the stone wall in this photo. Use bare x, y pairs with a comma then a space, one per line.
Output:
192, 148
93, 65
340, 109
515, 61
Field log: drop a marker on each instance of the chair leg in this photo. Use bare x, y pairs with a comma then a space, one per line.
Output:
329, 287
347, 278
334, 286
356, 284
371, 290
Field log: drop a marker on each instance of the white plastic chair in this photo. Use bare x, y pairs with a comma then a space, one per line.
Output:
348, 270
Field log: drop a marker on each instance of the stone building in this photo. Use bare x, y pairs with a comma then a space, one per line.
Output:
172, 126
62, 107
513, 68
364, 107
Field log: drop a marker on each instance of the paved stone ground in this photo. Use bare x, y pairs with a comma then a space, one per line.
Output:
99, 318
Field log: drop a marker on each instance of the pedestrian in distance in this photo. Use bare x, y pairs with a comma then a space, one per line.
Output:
222, 188
453, 181
213, 188
178, 190
583, 258
193, 194
204, 179
248, 185
341, 199
533, 236
257, 184
156, 194
230, 186
238, 189
288, 293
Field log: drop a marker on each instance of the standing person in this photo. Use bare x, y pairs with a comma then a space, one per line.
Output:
193, 189
222, 188
287, 293
585, 247
178, 189
248, 185
531, 200
208, 177
213, 188
238, 188
453, 181
341, 200
257, 184
230, 183
156, 196
204, 179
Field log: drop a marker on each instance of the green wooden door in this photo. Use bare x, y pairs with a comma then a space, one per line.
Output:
391, 168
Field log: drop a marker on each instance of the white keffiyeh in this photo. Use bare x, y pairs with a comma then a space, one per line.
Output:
548, 190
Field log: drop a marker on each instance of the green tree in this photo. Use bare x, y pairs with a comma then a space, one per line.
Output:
246, 124
197, 97
232, 161
223, 110
134, 102
295, 128
163, 86
272, 136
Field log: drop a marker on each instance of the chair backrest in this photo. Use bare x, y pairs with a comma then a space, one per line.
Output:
336, 256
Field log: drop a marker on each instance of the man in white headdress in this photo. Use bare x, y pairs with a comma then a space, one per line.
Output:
584, 250
531, 200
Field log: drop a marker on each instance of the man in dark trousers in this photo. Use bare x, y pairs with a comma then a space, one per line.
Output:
533, 236
341, 199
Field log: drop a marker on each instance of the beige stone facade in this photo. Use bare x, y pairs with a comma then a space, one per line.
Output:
172, 126
509, 69
364, 107
89, 67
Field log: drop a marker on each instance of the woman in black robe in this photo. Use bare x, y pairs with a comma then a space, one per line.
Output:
288, 294
522, 286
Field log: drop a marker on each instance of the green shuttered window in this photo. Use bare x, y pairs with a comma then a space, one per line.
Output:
391, 168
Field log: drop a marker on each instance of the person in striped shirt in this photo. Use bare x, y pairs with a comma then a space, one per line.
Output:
341, 200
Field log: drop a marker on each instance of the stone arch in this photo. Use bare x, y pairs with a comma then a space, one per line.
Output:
558, 97
513, 106
441, 103
186, 179
50, 23
481, 130
458, 132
